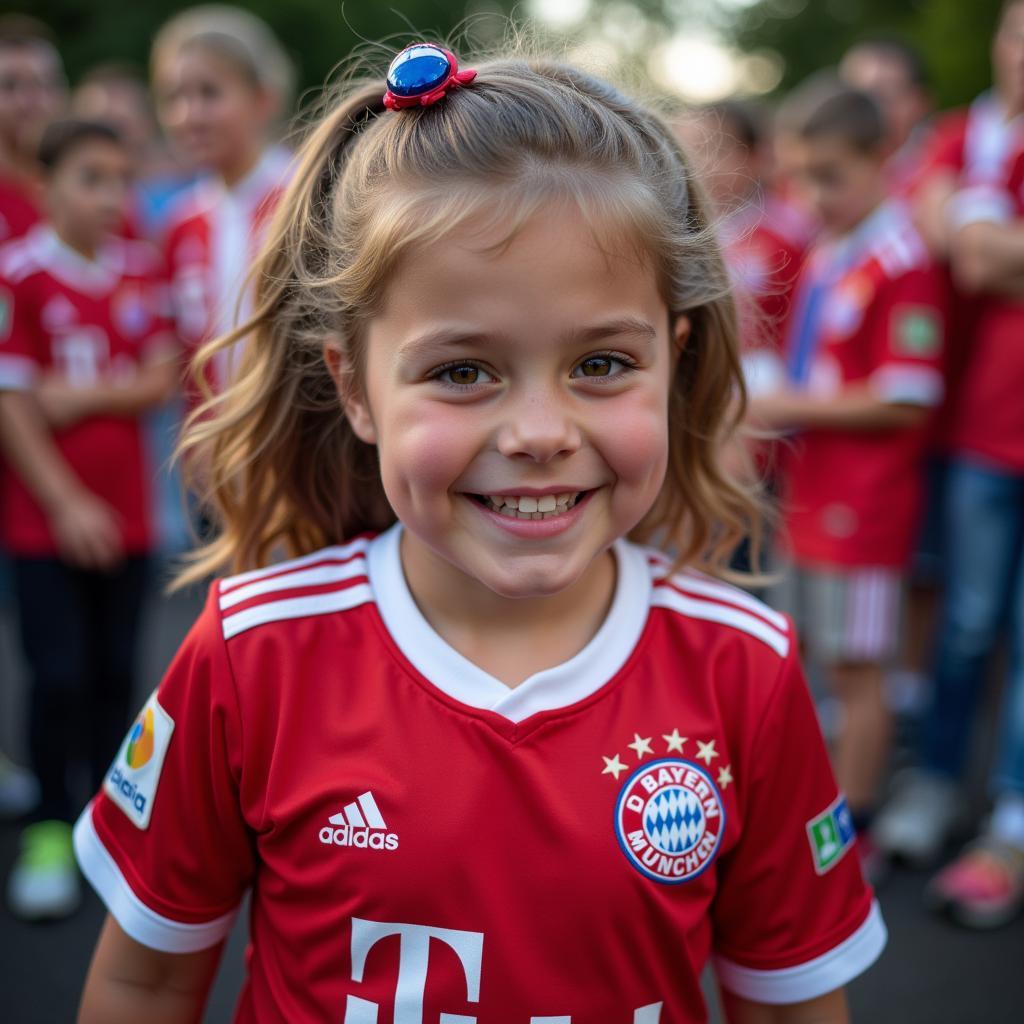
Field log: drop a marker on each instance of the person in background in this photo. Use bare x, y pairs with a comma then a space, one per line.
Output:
118, 94
222, 82
32, 93
894, 73
85, 350
864, 366
983, 231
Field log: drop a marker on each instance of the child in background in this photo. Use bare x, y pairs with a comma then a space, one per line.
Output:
494, 340
84, 351
221, 82
32, 93
864, 360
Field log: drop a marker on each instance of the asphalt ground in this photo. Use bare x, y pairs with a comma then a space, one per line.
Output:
931, 973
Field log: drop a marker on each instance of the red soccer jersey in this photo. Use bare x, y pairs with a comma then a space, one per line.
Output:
853, 496
988, 414
87, 321
572, 849
19, 208
214, 235
977, 146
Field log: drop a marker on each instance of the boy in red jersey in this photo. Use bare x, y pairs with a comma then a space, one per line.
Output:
84, 350
864, 365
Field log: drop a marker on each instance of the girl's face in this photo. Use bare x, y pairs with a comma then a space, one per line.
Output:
518, 398
209, 108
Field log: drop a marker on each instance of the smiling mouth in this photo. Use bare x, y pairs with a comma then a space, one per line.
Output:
545, 506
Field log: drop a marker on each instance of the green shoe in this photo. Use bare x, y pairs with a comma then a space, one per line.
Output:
44, 883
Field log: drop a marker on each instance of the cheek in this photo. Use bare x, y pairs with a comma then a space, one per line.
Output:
426, 449
634, 441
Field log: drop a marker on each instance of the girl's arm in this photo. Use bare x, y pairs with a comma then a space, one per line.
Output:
129, 982
827, 1009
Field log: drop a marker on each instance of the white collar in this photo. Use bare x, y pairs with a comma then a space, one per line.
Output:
94, 277
454, 674
271, 170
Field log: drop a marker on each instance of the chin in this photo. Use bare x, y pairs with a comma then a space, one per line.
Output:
543, 576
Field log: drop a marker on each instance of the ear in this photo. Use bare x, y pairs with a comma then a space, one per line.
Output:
353, 401
681, 328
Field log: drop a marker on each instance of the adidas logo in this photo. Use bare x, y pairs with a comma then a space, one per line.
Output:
359, 824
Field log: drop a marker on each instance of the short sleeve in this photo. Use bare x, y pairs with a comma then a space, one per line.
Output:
164, 843
909, 345
19, 351
793, 918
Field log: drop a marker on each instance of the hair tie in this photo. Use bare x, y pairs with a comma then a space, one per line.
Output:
421, 74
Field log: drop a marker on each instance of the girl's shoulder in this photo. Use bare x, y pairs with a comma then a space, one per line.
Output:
716, 609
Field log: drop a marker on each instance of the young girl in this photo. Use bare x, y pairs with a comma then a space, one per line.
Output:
221, 81
478, 755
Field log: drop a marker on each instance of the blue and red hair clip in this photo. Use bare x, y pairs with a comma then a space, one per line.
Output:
421, 75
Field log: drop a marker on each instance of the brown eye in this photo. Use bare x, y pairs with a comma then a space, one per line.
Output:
596, 366
463, 374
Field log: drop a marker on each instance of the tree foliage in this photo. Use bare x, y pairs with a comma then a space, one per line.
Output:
953, 36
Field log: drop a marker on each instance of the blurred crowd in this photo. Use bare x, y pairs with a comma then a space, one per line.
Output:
876, 250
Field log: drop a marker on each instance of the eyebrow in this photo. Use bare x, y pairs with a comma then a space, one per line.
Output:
452, 337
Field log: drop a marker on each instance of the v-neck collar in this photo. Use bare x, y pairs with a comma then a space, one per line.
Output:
458, 677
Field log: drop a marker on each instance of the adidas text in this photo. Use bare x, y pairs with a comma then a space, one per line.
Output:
346, 835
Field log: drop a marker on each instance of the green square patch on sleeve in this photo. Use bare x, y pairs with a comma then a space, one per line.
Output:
917, 330
831, 834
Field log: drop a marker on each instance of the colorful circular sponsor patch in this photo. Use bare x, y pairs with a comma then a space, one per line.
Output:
669, 820
140, 740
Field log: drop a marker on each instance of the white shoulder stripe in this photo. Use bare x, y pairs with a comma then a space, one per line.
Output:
706, 587
318, 575
296, 608
335, 551
711, 611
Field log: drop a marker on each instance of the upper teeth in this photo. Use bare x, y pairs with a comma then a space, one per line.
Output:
527, 505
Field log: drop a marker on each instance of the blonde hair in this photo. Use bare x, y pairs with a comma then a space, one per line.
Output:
235, 35
273, 455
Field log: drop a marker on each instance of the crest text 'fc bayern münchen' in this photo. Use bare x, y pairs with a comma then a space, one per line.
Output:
669, 820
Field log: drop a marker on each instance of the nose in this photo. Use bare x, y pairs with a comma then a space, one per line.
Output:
540, 428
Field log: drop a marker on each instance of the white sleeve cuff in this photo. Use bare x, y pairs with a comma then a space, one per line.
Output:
976, 204
814, 978
144, 925
17, 373
909, 384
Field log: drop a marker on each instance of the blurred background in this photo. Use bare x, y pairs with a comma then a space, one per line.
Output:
698, 53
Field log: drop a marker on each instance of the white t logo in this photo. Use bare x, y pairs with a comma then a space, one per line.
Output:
414, 944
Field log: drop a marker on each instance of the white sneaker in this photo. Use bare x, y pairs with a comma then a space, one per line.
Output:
919, 819
19, 790
44, 883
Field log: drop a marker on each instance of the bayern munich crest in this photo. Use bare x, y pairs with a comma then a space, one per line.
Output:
669, 820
